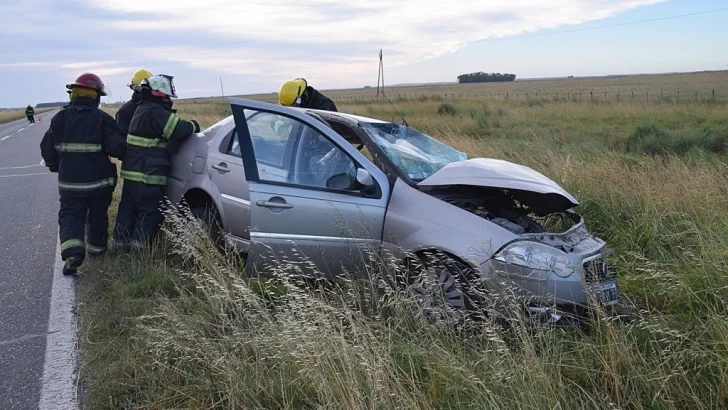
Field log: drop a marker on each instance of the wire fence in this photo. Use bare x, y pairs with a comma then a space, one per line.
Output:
673, 96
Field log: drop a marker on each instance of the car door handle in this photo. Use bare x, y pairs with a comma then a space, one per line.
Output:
273, 204
222, 167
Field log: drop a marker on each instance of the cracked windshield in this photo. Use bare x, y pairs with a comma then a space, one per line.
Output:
416, 154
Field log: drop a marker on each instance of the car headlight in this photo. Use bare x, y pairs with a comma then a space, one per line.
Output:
536, 255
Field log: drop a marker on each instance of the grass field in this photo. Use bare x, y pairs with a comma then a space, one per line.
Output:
668, 87
182, 327
12, 115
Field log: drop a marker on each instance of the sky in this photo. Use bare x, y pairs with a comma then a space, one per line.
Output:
255, 45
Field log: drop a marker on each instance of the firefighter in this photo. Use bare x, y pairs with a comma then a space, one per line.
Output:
155, 134
123, 116
78, 146
29, 114
298, 93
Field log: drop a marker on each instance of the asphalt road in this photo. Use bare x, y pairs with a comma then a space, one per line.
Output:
28, 239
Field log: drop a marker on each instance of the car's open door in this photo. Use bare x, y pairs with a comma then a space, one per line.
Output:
316, 202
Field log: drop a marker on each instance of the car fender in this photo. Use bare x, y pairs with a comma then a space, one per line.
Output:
205, 184
416, 221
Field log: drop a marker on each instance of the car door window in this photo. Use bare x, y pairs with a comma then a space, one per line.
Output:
230, 145
234, 149
290, 151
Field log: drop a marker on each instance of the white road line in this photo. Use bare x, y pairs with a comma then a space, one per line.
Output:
24, 175
22, 339
23, 167
58, 389
8, 136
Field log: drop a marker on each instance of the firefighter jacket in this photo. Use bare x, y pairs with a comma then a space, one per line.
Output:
155, 134
317, 101
29, 110
78, 146
123, 116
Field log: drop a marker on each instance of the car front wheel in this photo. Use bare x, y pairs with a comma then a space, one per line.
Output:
443, 286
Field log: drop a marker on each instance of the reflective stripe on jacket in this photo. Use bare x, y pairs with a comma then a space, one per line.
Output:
155, 133
78, 144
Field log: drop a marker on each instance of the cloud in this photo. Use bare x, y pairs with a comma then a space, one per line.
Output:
26, 64
258, 43
414, 30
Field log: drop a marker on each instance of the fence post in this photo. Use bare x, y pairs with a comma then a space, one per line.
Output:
617, 96
713, 94
605, 95
526, 94
678, 95
661, 94
568, 96
633, 95
696, 95
592, 94
647, 94
506, 96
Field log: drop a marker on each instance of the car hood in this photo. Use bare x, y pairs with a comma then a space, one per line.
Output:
530, 187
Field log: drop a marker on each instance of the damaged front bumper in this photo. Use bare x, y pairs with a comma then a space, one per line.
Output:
549, 297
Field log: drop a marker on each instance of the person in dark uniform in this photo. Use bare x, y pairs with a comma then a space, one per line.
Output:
298, 93
29, 114
155, 134
123, 116
78, 146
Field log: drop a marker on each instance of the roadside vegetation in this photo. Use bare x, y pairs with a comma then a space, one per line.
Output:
12, 115
182, 326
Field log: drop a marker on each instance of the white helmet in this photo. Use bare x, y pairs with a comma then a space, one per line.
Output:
161, 85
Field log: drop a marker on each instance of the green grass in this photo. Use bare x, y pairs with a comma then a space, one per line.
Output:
185, 328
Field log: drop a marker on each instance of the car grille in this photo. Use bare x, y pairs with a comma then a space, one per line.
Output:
597, 271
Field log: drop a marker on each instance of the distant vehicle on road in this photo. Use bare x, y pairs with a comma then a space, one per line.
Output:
341, 190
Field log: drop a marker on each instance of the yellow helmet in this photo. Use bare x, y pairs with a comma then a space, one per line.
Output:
139, 75
291, 91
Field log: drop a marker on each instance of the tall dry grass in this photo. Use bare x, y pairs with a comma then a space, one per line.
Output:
12, 115
185, 327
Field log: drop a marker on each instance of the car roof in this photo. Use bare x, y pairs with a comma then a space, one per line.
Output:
254, 104
354, 117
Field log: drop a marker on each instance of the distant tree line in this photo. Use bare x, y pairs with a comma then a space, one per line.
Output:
481, 77
51, 104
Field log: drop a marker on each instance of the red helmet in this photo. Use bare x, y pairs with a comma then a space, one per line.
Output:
89, 80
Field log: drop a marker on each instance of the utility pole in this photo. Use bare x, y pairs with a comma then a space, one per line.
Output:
380, 75
221, 90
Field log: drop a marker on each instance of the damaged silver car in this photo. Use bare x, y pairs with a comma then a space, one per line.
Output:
293, 184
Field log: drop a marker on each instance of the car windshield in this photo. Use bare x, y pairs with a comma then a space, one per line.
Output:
416, 155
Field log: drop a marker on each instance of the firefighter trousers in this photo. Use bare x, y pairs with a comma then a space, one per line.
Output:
82, 217
140, 216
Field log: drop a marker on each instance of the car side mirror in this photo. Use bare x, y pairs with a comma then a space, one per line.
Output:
364, 178
341, 181
344, 181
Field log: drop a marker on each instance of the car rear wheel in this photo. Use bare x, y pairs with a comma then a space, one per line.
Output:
210, 219
443, 286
